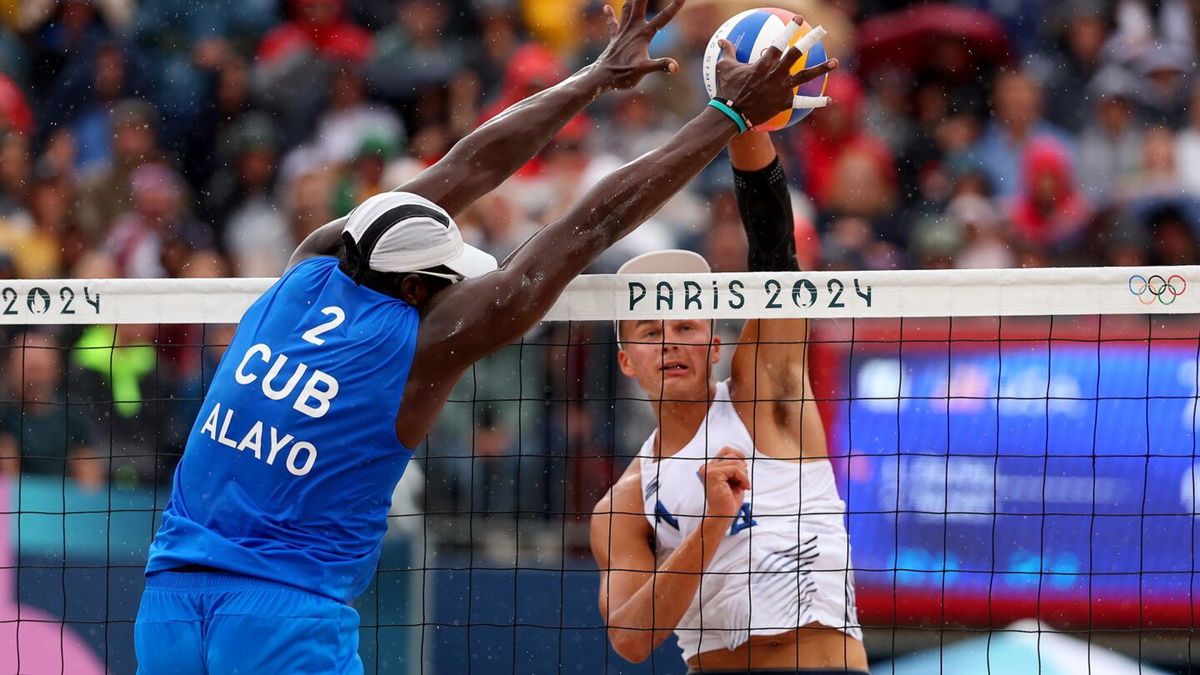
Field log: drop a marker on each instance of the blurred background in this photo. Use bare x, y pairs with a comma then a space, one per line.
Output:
174, 139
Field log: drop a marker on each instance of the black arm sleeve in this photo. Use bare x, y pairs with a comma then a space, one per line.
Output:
766, 209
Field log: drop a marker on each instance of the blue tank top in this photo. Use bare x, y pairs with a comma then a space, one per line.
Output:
289, 469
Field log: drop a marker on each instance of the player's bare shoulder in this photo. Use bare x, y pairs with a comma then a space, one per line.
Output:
619, 511
625, 491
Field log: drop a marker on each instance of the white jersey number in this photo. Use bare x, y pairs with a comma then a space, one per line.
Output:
338, 317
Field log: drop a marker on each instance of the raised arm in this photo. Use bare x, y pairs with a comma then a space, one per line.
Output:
507, 303
486, 157
770, 363
494, 151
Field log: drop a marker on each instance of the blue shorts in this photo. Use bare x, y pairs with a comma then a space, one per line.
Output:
193, 623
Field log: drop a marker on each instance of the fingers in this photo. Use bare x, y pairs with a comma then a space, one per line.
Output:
809, 102
610, 19
635, 10
665, 64
788, 33
785, 36
727, 466
728, 451
721, 461
789, 59
727, 49
812, 73
740, 478
811, 39
664, 17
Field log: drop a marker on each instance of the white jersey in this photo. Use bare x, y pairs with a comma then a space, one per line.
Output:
784, 562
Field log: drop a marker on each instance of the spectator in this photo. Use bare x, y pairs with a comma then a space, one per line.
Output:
943, 133
60, 33
14, 176
1016, 122
314, 27
1172, 237
251, 227
211, 138
105, 193
593, 33
1111, 146
190, 41
413, 54
635, 126
497, 224
1188, 148
1164, 95
1143, 24
307, 203
724, 245
935, 242
47, 247
352, 118
14, 58
499, 39
834, 144
252, 146
157, 222
84, 99
296, 60
1158, 174
568, 169
364, 176
15, 115
1049, 211
39, 433
1073, 59
886, 112
985, 245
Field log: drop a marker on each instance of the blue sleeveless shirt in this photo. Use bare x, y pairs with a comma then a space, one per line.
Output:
289, 469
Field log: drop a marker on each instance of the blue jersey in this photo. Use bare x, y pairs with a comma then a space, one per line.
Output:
290, 466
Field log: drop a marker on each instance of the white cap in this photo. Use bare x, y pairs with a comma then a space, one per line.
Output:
669, 261
404, 232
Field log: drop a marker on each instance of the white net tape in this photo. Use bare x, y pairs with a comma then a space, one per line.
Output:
877, 294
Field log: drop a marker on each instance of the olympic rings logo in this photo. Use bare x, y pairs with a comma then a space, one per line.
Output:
1166, 291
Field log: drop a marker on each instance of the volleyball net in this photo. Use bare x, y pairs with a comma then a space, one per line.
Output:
1017, 451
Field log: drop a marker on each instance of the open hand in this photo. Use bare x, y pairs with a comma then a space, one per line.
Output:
726, 480
626, 58
763, 89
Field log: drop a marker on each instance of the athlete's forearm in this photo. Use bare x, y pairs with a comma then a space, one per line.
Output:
533, 277
765, 207
486, 157
648, 617
751, 151
621, 202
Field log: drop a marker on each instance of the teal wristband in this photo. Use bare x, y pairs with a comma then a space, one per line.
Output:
733, 114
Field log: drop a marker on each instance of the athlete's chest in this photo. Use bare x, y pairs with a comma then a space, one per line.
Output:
673, 491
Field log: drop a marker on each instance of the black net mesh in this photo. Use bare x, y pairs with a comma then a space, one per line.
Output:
1009, 483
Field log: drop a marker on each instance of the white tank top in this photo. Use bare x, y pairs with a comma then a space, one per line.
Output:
784, 561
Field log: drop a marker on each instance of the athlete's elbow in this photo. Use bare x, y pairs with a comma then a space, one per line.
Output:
631, 644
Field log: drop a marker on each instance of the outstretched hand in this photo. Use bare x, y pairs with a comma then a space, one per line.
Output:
627, 58
763, 89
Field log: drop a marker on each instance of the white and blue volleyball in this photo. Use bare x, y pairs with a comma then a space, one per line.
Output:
751, 32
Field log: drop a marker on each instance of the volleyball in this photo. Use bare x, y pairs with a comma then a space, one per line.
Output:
751, 32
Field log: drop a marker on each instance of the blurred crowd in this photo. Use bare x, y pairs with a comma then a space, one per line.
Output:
172, 138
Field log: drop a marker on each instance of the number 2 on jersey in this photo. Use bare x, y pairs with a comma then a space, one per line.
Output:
311, 334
